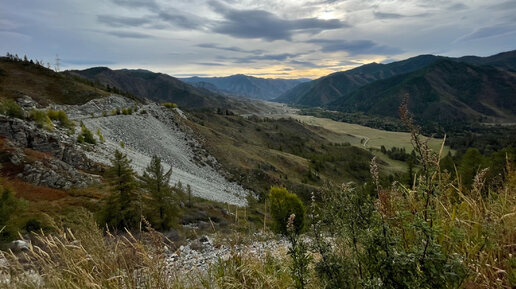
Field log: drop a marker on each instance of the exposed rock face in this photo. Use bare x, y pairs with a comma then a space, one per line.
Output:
61, 160
25, 134
56, 174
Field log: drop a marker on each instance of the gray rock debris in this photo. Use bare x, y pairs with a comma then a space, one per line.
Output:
199, 254
157, 132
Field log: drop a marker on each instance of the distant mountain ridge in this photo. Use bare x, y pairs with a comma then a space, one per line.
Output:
244, 85
330, 88
446, 93
157, 87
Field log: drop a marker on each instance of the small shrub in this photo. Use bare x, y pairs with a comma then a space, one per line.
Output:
41, 119
169, 105
10, 108
104, 113
86, 136
62, 117
99, 134
283, 205
125, 111
122, 144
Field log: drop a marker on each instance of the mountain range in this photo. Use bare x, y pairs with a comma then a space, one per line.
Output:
157, 87
244, 85
441, 89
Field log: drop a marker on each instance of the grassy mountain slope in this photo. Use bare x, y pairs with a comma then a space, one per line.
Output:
264, 152
505, 60
332, 87
19, 78
445, 92
244, 85
336, 85
158, 87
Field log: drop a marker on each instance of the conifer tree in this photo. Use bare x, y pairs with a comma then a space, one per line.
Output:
121, 209
155, 181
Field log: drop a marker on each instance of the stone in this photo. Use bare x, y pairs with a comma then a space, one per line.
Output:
19, 245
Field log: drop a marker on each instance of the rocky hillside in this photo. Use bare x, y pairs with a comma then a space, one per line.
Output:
157, 87
42, 157
244, 85
54, 158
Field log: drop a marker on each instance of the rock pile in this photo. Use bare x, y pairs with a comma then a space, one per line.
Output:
199, 254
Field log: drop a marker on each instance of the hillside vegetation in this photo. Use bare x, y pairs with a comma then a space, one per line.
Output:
157, 87
18, 78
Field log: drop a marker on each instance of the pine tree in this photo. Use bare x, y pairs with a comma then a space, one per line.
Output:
122, 209
155, 181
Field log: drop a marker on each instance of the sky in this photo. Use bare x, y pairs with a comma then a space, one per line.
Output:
263, 38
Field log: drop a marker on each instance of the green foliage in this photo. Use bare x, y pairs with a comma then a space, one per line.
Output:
299, 255
10, 108
283, 205
122, 144
41, 118
169, 105
161, 211
62, 117
99, 134
11, 208
86, 136
471, 163
125, 111
122, 208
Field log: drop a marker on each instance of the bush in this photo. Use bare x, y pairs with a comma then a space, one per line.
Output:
62, 117
86, 136
10, 108
169, 105
284, 204
10, 209
41, 118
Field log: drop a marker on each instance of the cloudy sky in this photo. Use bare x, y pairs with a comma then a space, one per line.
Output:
264, 38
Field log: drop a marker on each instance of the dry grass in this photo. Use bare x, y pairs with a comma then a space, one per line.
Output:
82, 256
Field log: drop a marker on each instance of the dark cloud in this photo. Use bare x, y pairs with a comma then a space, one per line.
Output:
230, 48
305, 63
277, 57
491, 31
457, 7
383, 15
210, 63
129, 34
149, 4
260, 24
355, 47
119, 21
509, 5
386, 15
182, 19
